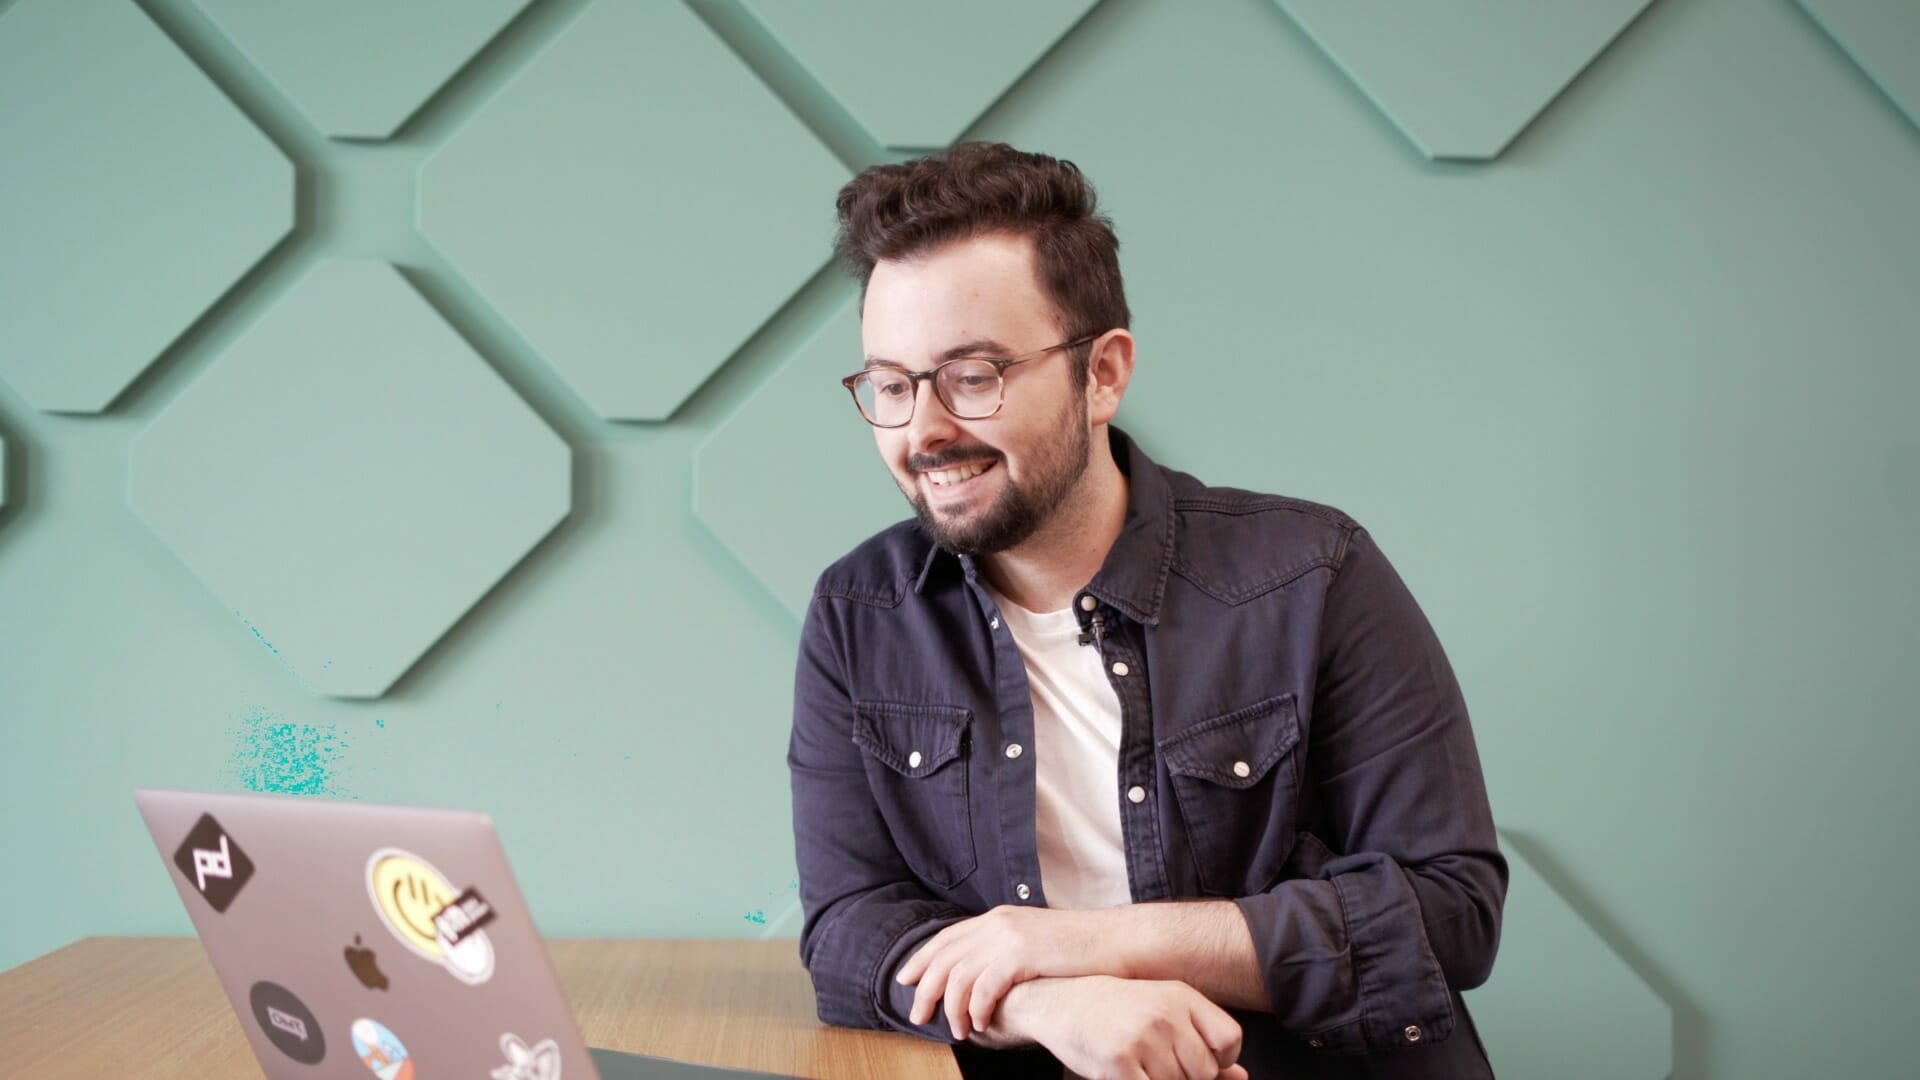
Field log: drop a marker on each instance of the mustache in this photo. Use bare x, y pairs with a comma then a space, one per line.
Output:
919, 463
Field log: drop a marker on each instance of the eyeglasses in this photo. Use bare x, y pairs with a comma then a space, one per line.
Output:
971, 387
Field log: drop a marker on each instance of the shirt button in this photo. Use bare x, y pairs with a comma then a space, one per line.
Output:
996, 622
1136, 794
1022, 891
1013, 750
1088, 603
1242, 770
1120, 668
913, 760
1412, 1033
1315, 1043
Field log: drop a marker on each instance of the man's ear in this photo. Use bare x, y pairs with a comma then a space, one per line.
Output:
1110, 368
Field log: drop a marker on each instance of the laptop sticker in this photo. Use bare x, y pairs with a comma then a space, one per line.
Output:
365, 965
213, 862
287, 1023
541, 1061
381, 1051
409, 894
468, 913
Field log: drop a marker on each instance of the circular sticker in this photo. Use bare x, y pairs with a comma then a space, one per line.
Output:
408, 893
287, 1023
381, 1051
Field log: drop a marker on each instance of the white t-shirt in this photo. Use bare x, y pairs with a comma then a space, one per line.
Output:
1076, 748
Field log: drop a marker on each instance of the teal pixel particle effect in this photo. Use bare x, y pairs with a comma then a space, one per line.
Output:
278, 756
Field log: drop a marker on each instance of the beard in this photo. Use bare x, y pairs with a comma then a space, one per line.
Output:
1021, 509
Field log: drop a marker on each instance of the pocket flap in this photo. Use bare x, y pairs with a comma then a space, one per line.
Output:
1221, 749
911, 739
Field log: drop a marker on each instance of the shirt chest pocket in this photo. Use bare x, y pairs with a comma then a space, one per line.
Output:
916, 761
1237, 780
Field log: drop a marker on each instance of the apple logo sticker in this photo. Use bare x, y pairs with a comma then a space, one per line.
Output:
365, 966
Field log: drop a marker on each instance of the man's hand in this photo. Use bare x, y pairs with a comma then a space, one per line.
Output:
973, 963
1122, 1029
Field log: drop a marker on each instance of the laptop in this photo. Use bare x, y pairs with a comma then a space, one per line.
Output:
356, 939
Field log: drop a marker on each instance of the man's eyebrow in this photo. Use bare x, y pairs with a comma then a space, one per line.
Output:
974, 347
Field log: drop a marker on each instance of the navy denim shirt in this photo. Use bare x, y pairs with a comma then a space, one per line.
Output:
1301, 737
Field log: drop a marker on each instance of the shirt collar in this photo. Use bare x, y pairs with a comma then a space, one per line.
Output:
1134, 576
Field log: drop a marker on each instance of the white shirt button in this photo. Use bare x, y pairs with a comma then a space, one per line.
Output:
1088, 603
995, 624
1120, 668
1013, 750
1022, 891
1242, 770
1136, 794
1315, 1043
913, 760
1412, 1032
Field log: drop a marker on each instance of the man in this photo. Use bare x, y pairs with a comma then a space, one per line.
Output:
1096, 767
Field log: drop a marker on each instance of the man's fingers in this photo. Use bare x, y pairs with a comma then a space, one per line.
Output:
910, 970
923, 956
926, 996
1194, 1055
1234, 1072
1161, 1063
959, 992
1219, 1029
988, 989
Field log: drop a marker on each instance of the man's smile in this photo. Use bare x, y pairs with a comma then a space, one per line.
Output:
958, 480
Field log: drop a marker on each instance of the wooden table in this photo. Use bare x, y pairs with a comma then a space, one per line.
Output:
91, 1008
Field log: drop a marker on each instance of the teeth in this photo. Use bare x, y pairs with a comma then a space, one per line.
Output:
944, 477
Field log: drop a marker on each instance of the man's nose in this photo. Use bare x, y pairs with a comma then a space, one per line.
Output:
932, 426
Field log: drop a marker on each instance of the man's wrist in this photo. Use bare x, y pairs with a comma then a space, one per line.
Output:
1136, 934
1019, 1020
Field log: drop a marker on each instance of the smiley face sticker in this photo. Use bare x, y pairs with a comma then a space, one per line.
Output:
409, 893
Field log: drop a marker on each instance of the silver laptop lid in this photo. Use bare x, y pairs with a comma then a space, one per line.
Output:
357, 939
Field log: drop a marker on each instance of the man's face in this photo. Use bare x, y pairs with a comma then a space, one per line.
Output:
1034, 450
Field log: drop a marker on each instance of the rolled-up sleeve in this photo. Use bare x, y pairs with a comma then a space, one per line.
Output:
1405, 907
864, 910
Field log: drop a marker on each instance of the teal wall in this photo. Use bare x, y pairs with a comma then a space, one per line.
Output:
438, 406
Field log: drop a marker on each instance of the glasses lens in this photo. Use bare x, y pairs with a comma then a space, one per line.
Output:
971, 387
886, 397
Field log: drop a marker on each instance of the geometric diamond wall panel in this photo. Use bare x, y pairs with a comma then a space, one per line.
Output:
349, 478
1462, 79
743, 479
1561, 1003
880, 60
635, 256
132, 195
1883, 37
359, 68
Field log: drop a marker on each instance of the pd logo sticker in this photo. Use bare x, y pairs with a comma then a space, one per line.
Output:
287, 1023
213, 862
541, 1061
425, 914
381, 1051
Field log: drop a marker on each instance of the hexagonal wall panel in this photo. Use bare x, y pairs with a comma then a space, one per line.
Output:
879, 58
1883, 38
787, 524
1462, 80
103, 117
349, 478
635, 257
359, 68
1561, 1002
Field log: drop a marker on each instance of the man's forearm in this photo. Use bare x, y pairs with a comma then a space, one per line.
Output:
1203, 943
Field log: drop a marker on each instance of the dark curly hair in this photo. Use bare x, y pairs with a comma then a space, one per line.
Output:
911, 208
